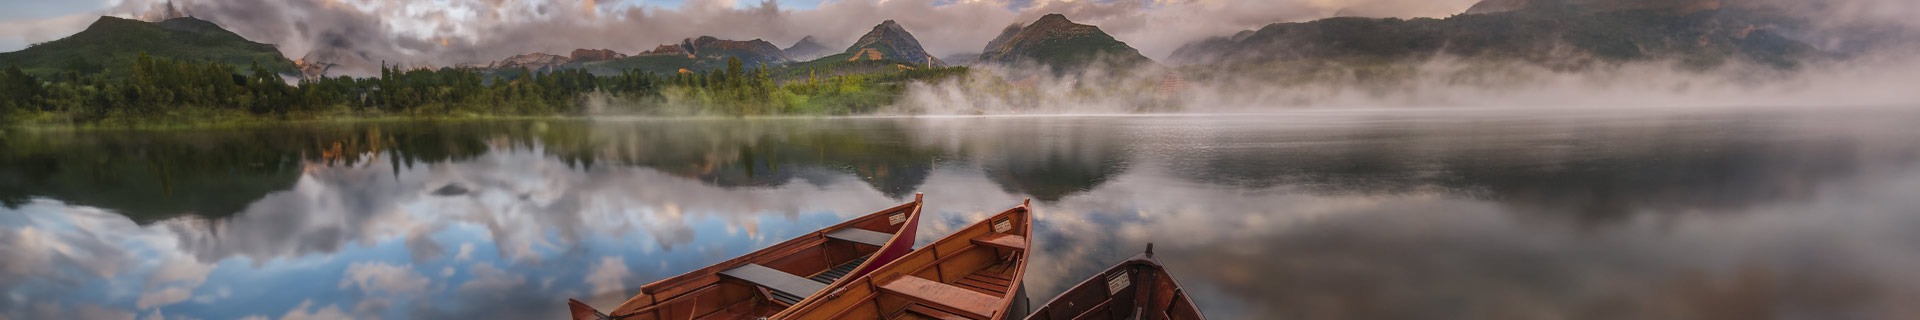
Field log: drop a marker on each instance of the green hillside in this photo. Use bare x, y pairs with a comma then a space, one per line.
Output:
111, 44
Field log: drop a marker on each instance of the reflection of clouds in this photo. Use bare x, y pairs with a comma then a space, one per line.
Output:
306, 311
1378, 226
490, 280
380, 277
609, 276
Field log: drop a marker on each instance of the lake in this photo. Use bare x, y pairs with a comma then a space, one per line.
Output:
1735, 213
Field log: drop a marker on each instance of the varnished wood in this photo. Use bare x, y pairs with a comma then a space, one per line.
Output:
1151, 293
974, 273
706, 294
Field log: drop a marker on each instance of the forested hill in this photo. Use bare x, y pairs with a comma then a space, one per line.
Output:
1559, 37
110, 43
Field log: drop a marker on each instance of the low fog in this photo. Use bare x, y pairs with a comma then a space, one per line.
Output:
1871, 81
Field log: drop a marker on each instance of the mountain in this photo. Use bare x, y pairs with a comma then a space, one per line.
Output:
807, 48
111, 44
586, 55
696, 54
751, 52
1670, 6
1559, 37
891, 42
1062, 44
532, 62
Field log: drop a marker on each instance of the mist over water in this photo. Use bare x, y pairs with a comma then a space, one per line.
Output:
1715, 213
1871, 81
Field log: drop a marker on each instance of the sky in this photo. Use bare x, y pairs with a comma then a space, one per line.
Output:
452, 32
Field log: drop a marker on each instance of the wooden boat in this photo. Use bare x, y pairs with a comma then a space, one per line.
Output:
1139, 288
973, 274
764, 282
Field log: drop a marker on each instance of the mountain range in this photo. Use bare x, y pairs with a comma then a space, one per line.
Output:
1562, 34
1567, 34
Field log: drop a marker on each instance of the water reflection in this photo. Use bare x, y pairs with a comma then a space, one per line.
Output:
1313, 215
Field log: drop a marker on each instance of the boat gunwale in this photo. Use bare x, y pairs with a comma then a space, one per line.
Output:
913, 210
1145, 259
1005, 301
913, 221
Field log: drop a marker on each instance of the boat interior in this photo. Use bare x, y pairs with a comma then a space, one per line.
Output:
766, 282
1136, 289
972, 274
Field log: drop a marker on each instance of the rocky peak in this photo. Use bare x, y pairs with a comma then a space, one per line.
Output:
586, 55
1055, 41
893, 42
1005, 35
533, 61
807, 48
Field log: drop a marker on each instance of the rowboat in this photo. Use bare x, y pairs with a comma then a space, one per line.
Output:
975, 273
765, 282
1139, 288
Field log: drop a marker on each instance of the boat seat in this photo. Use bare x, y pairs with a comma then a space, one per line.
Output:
963, 302
931, 313
1002, 240
840, 271
775, 280
858, 235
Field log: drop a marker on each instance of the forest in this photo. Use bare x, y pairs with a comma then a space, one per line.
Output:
179, 93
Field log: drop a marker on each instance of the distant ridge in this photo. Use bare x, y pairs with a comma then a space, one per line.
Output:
1559, 37
111, 44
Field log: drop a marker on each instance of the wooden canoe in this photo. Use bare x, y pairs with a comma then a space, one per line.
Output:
973, 274
1139, 288
765, 282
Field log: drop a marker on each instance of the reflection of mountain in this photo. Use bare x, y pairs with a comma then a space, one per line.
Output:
1052, 177
1605, 172
1048, 159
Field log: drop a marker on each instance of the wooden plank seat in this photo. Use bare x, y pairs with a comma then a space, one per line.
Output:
959, 301
923, 311
1002, 240
861, 236
792, 286
840, 271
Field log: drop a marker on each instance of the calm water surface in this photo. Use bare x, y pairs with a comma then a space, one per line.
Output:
1391, 214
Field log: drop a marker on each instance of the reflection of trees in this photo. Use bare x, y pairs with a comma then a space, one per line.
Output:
155, 175
146, 177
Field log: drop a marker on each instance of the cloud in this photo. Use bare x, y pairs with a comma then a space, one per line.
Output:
380, 277
609, 276
488, 280
466, 252
173, 282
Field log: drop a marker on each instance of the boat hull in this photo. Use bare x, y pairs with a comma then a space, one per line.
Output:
974, 273
770, 280
1139, 288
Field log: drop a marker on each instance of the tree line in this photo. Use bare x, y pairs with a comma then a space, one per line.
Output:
176, 91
